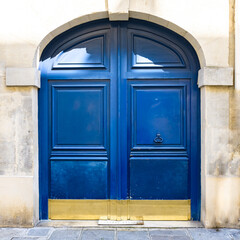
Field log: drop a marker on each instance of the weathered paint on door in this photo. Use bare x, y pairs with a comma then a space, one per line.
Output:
119, 120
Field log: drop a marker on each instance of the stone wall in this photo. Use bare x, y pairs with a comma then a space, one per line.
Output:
220, 143
28, 26
19, 153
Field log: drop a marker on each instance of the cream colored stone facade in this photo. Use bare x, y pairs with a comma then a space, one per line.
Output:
28, 26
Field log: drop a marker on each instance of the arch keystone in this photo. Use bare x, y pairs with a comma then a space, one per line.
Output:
118, 10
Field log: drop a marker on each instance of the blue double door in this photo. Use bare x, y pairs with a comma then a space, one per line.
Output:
119, 116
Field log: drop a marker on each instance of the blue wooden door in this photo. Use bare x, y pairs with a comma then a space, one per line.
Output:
119, 121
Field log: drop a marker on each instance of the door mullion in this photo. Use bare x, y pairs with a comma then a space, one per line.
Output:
119, 169
123, 157
113, 174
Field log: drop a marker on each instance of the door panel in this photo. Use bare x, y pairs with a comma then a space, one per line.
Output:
73, 179
79, 117
88, 51
154, 116
150, 53
149, 50
119, 124
159, 178
158, 109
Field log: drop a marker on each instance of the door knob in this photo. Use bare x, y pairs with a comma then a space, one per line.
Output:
158, 138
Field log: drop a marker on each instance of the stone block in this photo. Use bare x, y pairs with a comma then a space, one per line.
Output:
215, 132
22, 77
18, 130
215, 76
94, 234
222, 201
199, 234
140, 15
153, 237
217, 107
217, 152
16, 203
98, 15
39, 232
235, 234
70, 234
132, 235
237, 45
27, 238
158, 20
216, 49
9, 233
18, 54
118, 10
177, 29
164, 232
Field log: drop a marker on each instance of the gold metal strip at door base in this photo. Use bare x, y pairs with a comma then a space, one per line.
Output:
120, 210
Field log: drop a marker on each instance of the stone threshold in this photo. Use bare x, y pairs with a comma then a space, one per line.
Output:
94, 224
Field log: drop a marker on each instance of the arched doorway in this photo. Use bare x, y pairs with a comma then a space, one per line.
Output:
119, 124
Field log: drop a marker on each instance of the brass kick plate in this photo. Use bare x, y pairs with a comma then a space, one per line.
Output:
119, 210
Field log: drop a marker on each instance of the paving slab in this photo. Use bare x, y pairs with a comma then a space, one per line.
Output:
180, 238
39, 232
9, 233
168, 232
133, 235
210, 234
98, 234
65, 234
235, 234
155, 237
27, 238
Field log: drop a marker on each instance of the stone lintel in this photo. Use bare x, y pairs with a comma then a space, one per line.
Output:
215, 76
118, 10
22, 77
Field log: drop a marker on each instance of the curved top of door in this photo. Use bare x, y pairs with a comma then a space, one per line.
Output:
147, 45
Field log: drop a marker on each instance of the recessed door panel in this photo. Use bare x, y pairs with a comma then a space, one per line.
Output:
79, 116
86, 53
151, 53
159, 178
79, 179
158, 115
149, 50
